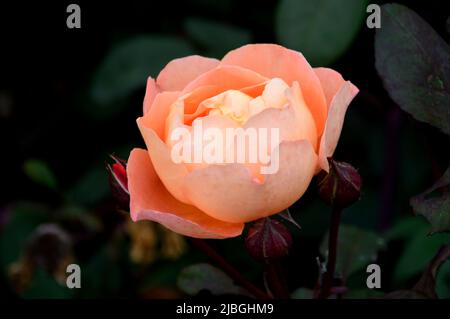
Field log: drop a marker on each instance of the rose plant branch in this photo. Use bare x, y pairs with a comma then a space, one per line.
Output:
268, 241
276, 280
339, 188
235, 274
332, 253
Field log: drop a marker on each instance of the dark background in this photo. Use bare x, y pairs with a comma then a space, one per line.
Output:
46, 113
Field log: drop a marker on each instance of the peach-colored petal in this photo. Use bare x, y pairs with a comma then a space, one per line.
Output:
192, 101
227, 77
149, 200
335, 121
179, 72
150, 93
274, 61
331, 82
170, 173
294, 121
229, 193
155, 118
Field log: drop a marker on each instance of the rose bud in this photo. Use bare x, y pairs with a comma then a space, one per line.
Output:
119, 182
341, 187
268, 239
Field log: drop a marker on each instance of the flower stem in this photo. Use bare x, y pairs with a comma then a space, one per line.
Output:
229, 269
332, 253
276, 280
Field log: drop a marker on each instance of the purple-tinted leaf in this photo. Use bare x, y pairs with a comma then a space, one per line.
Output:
434, 204
414, 63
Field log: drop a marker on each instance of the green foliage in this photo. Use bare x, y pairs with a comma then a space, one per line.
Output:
419, 249
414, 63
91, 187
40, 173
217, 38
321, 29
44, 286
203, 276
363, 294
101, 275
129, 63
356, 248
425, 288
435, 207
25, 217
302, 293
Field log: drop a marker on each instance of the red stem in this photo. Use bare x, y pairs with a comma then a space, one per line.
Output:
332, 253
276, 280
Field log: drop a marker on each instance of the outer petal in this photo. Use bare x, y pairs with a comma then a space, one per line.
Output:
331, 82
271, 60
150, 93
179, 72
229, 193
335, 121
150, 200
170, 173
156, 116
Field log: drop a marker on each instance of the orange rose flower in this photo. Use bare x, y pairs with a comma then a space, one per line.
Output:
255, 86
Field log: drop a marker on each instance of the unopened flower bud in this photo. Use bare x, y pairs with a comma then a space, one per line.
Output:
119, 182
268, 239
341, 187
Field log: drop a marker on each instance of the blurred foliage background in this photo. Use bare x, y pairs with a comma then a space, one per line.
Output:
69, 98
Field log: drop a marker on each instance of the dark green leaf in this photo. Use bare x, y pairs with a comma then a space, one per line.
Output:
321, 29
45, 286
443, 281
217, 38
356, 249
427, 283
25, 217
435, 207
363, 294
425, 288
414, 63
302, 293
91, 188
40, 173
101, 276
203, 276
418, 251
130, 62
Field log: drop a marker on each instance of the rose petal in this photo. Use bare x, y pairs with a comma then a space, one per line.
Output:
150, 93
170, 173
179, 72
335, 121
155, 118
149, 200
192, 101
295, 121
331, 82
274, 61
226, 77
229, 193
